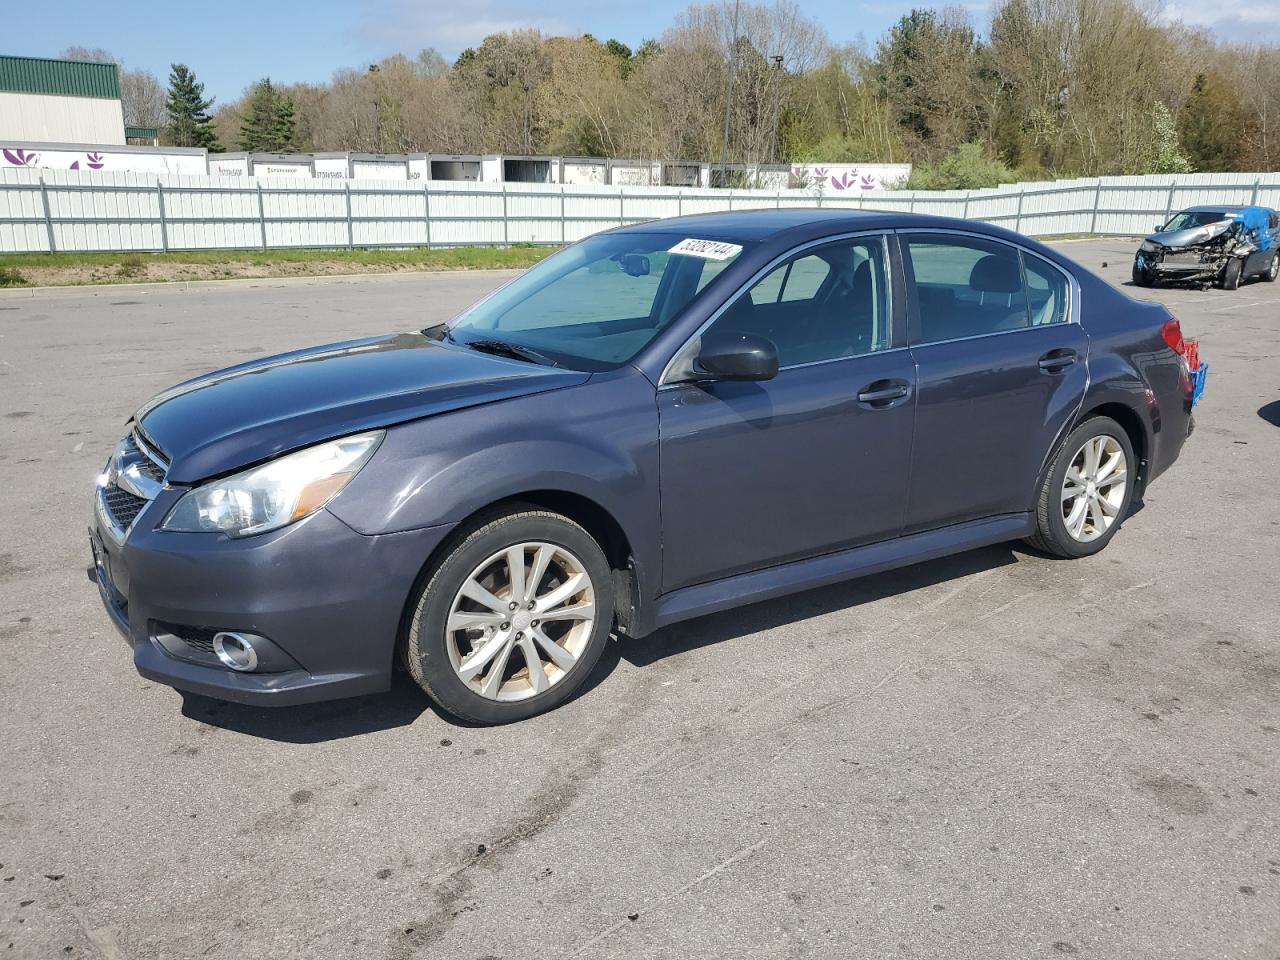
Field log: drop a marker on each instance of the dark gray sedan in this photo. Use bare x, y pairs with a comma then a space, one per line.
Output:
656, 423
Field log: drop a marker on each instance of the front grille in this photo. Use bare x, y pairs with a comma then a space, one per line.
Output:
197, 638
146, 465
121, 505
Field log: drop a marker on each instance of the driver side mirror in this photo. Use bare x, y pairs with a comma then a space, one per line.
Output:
1159, 228
728, 355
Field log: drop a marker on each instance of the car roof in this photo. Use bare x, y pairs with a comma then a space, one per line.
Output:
1215, 208
747, 226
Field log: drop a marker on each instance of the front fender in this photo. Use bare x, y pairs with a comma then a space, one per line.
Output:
598, 440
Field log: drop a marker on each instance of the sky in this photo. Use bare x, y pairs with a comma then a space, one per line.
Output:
295, 42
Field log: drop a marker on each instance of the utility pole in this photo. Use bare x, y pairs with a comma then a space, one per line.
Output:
728, 99
777, 101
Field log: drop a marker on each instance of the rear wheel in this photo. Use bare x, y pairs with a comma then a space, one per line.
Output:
1231, 274
1273, 268
1086, 491
511, 621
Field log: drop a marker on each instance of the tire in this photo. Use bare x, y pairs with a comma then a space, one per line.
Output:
1053, 511
1273, 268
437, 657
1141, 278
1231, 274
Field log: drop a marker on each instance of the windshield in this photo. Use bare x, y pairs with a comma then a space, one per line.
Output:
1195, 218
598, 303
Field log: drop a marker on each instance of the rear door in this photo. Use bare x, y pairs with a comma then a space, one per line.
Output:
1001, 370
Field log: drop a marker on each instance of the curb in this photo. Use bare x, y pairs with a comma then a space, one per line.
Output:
64, 291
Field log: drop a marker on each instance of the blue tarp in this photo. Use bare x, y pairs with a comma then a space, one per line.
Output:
1257, 226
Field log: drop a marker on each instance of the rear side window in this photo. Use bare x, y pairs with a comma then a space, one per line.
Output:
966, 287
1047, 291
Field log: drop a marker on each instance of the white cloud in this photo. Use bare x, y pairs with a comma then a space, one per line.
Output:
410, 25
1238, 20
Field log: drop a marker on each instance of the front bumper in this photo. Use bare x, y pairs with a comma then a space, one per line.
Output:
1174, 269
328, 600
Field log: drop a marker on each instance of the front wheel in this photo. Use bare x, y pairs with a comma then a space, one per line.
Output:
512, 619
1086, 492
1141, 277
1231, 274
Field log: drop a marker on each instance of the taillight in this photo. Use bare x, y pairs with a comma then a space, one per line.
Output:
1172, 334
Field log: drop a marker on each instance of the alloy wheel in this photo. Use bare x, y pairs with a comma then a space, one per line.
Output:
1093, 490
521, 621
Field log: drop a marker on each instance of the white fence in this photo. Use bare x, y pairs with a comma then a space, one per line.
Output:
55, 210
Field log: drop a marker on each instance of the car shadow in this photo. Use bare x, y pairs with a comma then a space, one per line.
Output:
772, 614
1270, 412
315, 722
405, 703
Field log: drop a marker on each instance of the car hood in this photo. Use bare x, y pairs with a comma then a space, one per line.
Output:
244, 414
1192, 236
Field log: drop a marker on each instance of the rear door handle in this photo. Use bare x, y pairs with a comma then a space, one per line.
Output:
883, 393
1056, 360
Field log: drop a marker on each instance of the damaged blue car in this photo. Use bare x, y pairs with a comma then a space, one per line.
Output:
1208, 245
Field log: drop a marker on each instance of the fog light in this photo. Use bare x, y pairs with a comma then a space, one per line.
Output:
235, 650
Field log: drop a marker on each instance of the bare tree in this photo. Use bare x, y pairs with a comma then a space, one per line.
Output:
141, 93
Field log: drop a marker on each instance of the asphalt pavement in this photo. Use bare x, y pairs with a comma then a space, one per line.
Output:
994, 755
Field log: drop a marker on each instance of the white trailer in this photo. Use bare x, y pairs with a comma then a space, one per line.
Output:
228, 165
281, 165
379, 166
530, 169
849, 177
88, 157
684, 173
331, 166
584, 170
635, 173
454, 167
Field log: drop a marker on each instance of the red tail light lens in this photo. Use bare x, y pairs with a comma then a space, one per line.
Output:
1172, 334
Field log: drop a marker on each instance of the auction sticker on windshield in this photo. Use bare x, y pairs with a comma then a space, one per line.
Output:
707, 249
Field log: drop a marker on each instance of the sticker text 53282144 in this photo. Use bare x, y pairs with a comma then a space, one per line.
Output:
707, 249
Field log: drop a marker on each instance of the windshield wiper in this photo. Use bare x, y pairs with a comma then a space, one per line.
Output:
502, 348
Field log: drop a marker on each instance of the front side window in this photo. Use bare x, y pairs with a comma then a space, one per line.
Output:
825, 304
598, 303
966, 287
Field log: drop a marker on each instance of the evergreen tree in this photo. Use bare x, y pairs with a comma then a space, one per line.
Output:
1211, 124
188, 111
268, 120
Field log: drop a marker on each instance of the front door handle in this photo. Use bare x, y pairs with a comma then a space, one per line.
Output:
1056, 361
883, 393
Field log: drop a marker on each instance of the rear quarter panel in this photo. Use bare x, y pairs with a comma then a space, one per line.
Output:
1130, 364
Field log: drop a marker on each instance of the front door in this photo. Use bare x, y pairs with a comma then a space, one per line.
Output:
815, 460
1001, 367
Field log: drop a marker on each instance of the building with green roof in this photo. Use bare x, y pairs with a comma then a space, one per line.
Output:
60, 101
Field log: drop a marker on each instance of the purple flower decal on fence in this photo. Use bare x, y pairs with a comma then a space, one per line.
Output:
94, 161
868, 182
20, 158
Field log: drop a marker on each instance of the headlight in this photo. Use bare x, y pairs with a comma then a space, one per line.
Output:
1148, 247
276, 493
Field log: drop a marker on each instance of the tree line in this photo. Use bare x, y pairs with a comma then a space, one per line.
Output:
1040, 89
